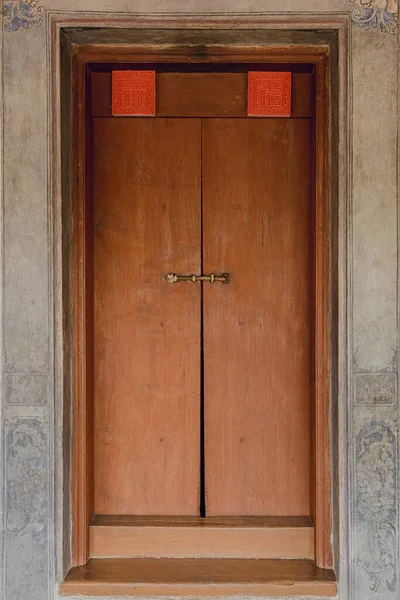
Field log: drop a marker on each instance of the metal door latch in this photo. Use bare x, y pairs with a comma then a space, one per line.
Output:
174, 278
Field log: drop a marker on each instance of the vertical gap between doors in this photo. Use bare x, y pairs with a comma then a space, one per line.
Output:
202, 457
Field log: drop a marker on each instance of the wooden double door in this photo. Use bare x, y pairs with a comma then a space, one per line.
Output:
202, 391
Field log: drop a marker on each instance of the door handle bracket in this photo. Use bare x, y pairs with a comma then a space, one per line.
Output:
175, 278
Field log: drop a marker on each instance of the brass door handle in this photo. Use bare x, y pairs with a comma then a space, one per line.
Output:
174, 278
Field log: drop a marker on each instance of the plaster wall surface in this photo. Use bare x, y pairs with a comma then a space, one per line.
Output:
32, 547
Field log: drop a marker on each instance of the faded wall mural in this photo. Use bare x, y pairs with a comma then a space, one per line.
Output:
377, 13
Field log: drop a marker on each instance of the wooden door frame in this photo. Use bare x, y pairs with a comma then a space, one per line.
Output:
80, 59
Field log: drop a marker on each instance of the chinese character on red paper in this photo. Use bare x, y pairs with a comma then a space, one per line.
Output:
269, 94
133, 93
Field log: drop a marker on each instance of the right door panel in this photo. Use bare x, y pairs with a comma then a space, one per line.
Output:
257, 213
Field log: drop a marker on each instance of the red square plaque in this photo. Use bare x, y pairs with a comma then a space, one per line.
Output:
134, 93
269, 94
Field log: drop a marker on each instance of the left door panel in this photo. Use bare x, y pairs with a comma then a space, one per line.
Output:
146, 196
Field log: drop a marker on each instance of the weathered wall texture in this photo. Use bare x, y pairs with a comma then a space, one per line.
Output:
31, 425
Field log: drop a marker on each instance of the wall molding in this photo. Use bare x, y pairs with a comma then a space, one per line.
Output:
368, 14
297, 23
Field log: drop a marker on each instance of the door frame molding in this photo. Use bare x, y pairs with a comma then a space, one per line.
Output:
77, 54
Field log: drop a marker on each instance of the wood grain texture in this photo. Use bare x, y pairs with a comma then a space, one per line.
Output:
199, 577
256, 226
82, 334
147, 332
201, 94
322, 423
202, 538
208, 51
199, 522
81, 466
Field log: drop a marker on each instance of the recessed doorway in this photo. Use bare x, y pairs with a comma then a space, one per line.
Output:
205, 402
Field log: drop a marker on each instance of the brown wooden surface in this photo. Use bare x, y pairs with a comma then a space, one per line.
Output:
256, 226
201, 94
199, 522
322, 423
82, 334
192, 53
82, 447
199, 577
147, 332
195, 537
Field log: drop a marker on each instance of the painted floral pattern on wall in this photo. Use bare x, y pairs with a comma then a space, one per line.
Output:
382, 14
27, 478
22, 13
376, 503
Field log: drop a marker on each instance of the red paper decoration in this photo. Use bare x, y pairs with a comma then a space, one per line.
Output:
269, 94
134, 93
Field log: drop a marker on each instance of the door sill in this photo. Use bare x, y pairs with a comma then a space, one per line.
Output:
199, 577
195, 537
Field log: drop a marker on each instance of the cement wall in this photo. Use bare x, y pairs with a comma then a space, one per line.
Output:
34, 548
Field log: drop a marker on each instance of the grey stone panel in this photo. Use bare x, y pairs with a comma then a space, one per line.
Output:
27, 508
374, 389
26, 388
373, 435
26, 271
374, 244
